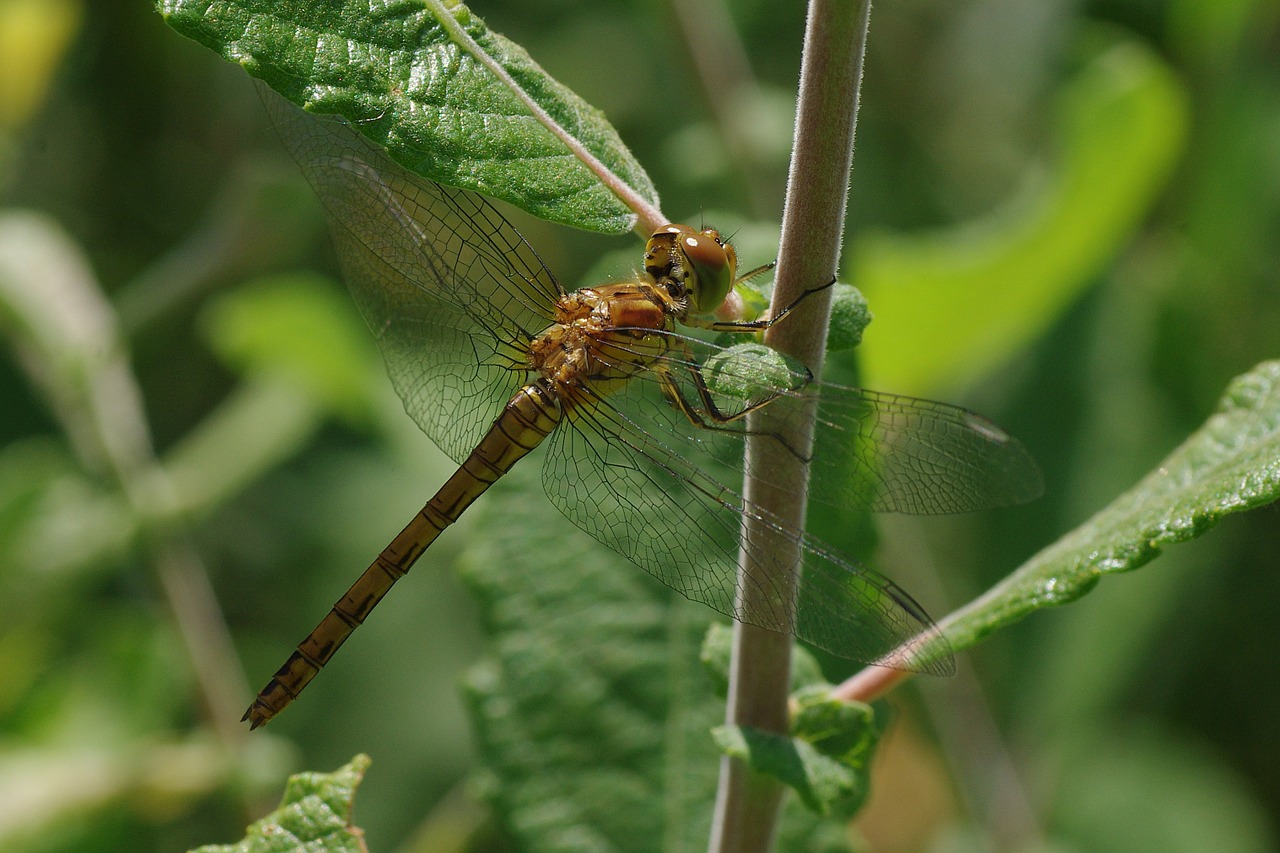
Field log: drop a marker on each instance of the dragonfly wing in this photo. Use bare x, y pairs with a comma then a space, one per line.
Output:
876, 452
615, 471
453, 380
450, 289
889, 453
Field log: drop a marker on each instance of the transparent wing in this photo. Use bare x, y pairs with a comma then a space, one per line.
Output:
659, 480
621, 469
450, 289
876, 452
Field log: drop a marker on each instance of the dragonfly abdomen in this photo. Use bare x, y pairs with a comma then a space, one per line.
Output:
526, 420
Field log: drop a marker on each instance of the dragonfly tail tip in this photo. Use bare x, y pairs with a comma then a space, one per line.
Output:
255, 719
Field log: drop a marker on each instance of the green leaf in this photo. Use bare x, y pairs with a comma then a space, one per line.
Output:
826, 785
1230, 464
314, 815
54, 313
850, 316
300, 327
743, 371
716, 657
592, 717
1180, 795
954, 303
34, 37
845, 731
413, 77
825, 758
57, 525
1211, 33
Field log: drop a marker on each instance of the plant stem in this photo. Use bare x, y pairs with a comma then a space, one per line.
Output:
812, 226
69, 339
727, 86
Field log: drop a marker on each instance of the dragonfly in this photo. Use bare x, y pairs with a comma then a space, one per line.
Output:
492, 358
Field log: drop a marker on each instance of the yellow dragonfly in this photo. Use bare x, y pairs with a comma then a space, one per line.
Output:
492, 357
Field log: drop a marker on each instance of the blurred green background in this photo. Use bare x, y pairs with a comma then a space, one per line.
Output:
1065, 215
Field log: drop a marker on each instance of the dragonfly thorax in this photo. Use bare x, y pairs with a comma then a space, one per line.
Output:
603, 334
696, 268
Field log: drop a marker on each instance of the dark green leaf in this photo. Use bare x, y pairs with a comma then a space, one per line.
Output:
1230, 464
413, 77
593, 717
1191, 800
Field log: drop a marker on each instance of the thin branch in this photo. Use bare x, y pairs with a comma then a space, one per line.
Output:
70, 340
812, 226
114, 406
727, 84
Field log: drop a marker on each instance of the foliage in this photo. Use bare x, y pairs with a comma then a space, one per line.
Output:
1066, 221
315, 814
1231, 464
418, 80
592, 716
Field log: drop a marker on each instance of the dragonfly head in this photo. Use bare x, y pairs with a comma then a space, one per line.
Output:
696, 265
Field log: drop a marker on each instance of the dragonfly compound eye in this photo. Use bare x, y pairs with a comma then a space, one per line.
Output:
712, 267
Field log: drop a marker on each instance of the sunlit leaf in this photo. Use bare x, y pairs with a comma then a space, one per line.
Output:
34, 35
1229, 465
301, 327
413, 77
314, 815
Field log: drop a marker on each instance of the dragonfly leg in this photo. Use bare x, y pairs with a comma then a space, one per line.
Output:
749, 326
709, 416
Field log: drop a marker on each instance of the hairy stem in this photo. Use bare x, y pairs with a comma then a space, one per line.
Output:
812, 225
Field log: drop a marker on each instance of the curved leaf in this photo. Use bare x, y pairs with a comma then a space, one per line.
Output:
1230, 464
954, 303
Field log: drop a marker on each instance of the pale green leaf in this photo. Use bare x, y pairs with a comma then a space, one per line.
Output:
825, 757
314, 815
827, 786
954, 303
57, 525
850, 316
845, 731
301, 328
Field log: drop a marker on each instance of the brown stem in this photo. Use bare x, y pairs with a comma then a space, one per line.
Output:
812, 226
